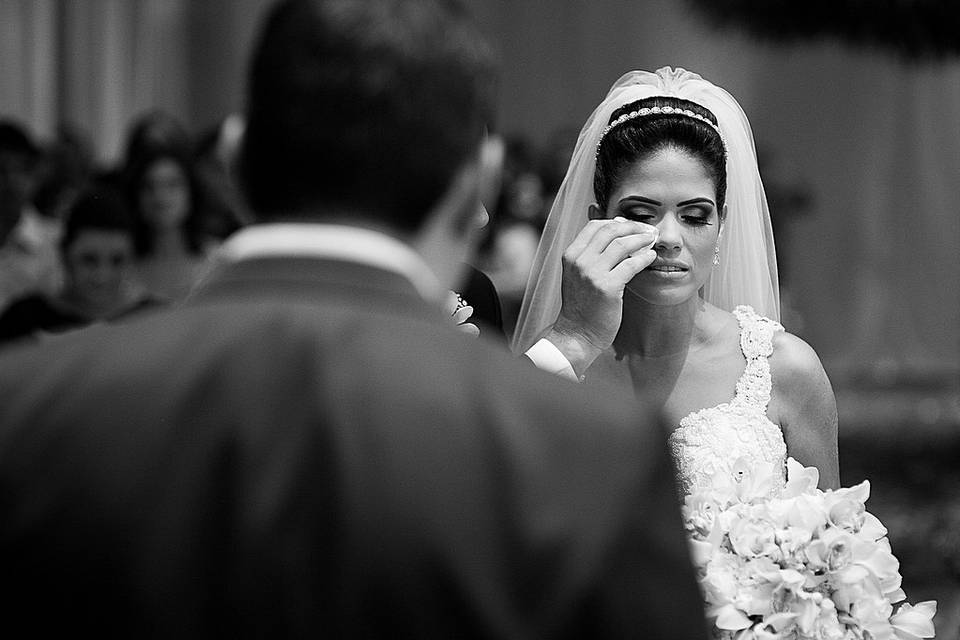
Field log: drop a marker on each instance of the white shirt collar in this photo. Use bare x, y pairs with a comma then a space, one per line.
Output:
337, 242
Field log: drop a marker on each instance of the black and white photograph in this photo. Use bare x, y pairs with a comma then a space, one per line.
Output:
480, 319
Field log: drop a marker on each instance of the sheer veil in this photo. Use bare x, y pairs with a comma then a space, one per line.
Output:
747, 273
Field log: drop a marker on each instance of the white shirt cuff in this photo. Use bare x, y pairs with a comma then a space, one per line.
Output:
547, 357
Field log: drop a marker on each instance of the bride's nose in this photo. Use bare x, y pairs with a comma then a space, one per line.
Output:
670, 237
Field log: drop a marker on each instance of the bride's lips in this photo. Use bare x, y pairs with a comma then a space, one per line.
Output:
668, 268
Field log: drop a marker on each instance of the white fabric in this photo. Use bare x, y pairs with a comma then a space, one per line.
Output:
549, 358
711, 440
337, 242
747, 273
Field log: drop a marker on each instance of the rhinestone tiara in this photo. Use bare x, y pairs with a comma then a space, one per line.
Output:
649, 111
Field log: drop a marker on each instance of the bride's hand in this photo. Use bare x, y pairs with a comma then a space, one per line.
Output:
597, 265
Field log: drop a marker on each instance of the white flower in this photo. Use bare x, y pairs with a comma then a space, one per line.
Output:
792, 540
753, 538
911, 622
804, 565
700, 513
800, 479
739, 482
720, 581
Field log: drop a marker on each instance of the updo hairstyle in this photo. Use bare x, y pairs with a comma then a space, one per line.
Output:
638, 138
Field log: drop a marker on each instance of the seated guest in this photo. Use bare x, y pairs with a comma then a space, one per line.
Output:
96, 252
172, 242
151, 131
28, 241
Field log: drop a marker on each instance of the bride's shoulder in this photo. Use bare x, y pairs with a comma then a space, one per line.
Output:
794, 362
791, 359
800, 383
804, 405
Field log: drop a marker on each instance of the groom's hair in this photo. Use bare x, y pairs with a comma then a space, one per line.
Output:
365, 107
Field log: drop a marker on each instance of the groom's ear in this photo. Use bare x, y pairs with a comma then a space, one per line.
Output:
594, 212
485, 175
493, 153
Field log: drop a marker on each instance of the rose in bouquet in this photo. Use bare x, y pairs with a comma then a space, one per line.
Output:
800, 563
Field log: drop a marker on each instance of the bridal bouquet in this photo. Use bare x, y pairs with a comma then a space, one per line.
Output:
805, 564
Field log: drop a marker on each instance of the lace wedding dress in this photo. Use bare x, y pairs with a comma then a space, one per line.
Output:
713, 439
823, 589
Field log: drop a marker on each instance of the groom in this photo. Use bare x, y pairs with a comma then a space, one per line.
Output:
306, 448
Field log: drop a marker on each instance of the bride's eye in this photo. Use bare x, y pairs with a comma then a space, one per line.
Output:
640, 215
697, 216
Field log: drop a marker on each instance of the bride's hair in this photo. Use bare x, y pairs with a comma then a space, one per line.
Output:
636, 138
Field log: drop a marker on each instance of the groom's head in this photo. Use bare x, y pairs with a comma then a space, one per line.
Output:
364, 110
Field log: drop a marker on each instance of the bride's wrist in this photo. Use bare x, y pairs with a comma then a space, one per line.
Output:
577, 347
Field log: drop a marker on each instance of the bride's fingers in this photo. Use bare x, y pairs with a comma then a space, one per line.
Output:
630, 267
586, 235
614, 232
623, 247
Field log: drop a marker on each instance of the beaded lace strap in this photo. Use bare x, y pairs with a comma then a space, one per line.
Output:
756, 342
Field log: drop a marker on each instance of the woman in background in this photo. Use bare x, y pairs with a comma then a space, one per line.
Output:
172, 239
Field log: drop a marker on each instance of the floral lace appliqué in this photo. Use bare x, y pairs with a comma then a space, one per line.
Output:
712, 439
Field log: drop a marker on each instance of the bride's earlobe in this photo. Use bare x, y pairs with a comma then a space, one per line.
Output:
594, 212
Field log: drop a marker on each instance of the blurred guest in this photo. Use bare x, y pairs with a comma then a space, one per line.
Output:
96, 249
67, 166
521, 195
173, 242
152, 131
554, 160
28, 241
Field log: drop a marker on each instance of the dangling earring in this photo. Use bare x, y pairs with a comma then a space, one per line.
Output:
716, 255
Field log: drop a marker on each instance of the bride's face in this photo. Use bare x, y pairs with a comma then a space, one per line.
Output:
673, 191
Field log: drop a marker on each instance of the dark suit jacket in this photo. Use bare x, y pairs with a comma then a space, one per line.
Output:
481, 294
306, 450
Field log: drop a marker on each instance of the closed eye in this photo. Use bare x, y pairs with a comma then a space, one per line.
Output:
698, 215
640, 214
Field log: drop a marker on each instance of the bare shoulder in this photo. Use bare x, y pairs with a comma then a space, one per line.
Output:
800, 383
794, 364
804, 405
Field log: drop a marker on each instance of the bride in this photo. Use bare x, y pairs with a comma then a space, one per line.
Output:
657, 272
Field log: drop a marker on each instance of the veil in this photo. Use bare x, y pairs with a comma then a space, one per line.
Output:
747, 273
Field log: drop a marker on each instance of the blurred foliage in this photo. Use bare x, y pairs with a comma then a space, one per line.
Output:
912, 29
